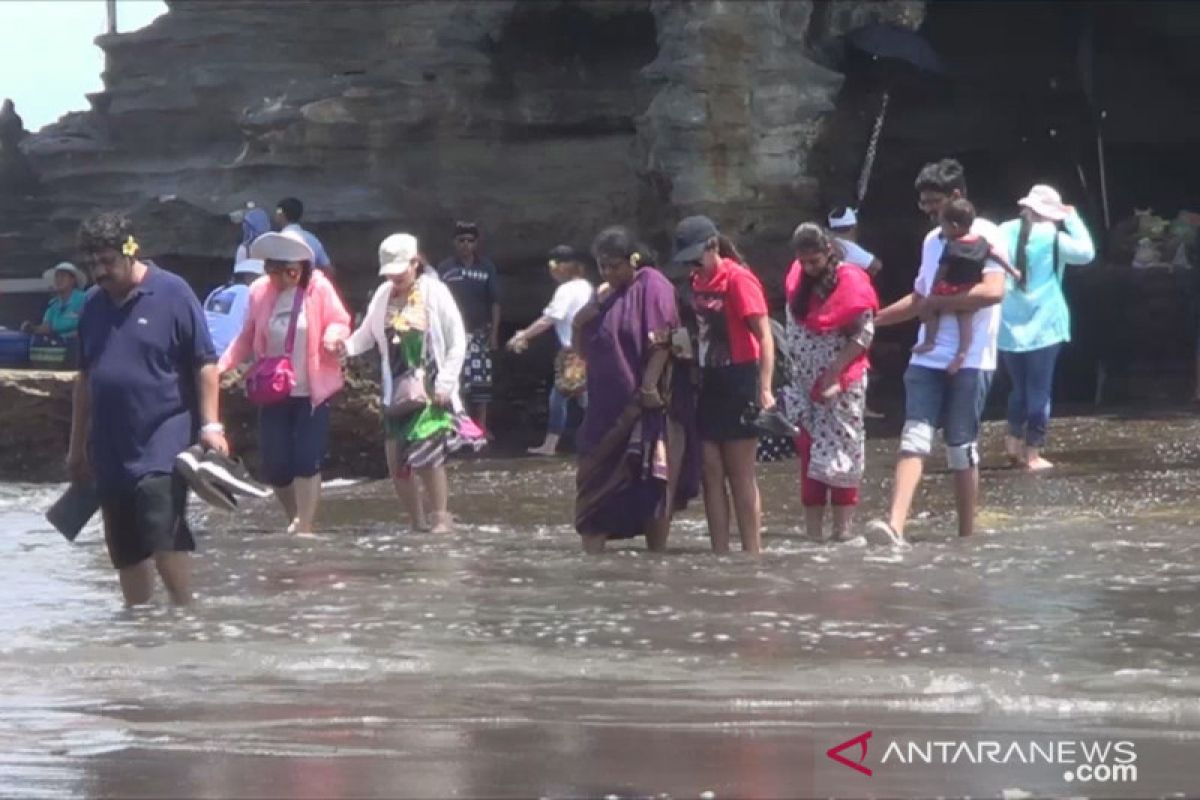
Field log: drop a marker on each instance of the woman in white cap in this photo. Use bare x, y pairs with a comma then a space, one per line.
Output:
1035, 320
62, 314
294, 314
567, 268
413, 321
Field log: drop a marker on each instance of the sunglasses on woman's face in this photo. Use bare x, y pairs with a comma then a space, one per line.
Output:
282, 269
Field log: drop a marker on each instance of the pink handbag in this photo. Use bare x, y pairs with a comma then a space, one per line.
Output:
271, 380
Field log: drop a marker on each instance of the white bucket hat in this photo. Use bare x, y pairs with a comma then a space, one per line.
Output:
1045, 201
397, 254
286, 246
81, 280
848, 219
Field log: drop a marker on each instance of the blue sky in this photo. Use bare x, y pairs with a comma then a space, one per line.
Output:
48, 61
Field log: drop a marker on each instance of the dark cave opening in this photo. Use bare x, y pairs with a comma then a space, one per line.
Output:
1015, 110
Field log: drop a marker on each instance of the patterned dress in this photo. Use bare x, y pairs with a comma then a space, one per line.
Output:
836, 427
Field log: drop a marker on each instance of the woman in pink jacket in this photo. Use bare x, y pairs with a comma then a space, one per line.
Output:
293, 433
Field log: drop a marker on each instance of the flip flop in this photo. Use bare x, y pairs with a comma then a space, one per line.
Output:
71, 512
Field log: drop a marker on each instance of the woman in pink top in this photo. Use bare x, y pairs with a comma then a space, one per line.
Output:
292, 434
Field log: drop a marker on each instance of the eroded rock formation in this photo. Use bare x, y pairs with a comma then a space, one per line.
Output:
544, 121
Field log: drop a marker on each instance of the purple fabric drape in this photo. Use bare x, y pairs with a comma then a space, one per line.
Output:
625, 453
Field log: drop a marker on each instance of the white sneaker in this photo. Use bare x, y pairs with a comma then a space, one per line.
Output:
882, 534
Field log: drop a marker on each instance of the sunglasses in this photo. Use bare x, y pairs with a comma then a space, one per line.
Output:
281, 269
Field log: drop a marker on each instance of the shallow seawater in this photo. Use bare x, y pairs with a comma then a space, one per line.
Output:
371, 661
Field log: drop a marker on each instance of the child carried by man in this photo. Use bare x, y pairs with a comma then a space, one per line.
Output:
960, 268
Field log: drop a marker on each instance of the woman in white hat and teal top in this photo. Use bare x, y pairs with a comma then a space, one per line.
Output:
413, 321
1035, 321
62, 314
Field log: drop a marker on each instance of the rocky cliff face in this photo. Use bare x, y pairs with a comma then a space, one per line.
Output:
543, 121
742, 98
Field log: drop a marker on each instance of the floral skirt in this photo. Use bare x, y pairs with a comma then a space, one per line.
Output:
837, 427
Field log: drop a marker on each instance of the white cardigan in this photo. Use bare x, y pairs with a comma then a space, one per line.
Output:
446, 339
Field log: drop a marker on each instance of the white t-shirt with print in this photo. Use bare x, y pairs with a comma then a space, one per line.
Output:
568, 299
986, 322
856, 254
277, 337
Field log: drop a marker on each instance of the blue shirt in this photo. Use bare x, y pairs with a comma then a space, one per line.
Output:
63, 318
1038, 316
320, 257
140, 361
225, 311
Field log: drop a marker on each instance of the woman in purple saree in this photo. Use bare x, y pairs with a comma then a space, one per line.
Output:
638, 454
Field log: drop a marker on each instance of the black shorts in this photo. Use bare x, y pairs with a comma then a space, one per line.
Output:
725, 395
146, 519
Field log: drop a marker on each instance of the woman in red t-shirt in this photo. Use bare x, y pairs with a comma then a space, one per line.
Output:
830, 323
737, 357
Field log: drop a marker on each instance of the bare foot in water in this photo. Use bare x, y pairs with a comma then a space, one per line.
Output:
540, 451
443, 522
1038, 464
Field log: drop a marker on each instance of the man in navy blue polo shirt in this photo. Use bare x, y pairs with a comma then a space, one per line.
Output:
147, 384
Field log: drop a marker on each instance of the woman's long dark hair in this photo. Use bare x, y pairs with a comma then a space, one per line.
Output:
306, 273
618, 241
727, 249
1022, 257
810, 237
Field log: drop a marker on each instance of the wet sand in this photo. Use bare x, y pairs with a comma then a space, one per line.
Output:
373, 662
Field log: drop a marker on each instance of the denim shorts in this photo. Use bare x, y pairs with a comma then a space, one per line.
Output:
953, 403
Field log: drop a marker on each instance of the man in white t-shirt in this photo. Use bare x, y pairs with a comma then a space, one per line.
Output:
843, 221
567, 266
933, 397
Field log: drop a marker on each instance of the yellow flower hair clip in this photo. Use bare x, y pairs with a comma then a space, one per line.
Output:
553, 264
130, 247
635, 259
